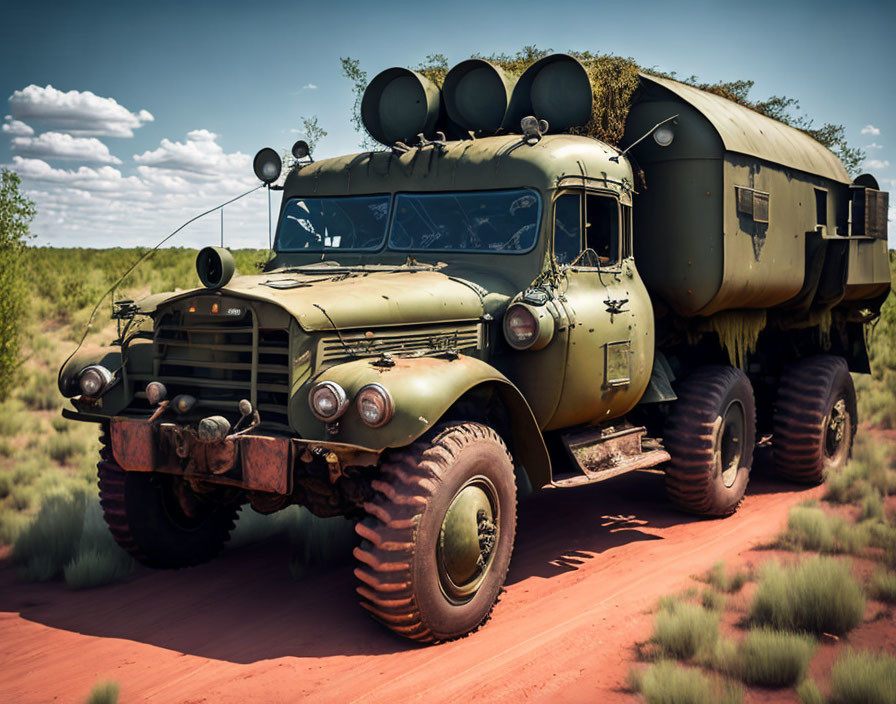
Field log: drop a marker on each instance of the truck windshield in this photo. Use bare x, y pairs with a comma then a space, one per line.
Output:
483, 221
333, 223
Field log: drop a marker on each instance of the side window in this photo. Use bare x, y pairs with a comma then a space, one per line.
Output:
627, 244
567, 227
602, 227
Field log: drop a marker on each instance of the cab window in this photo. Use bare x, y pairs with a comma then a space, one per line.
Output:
567, 227
589, 223
602, 227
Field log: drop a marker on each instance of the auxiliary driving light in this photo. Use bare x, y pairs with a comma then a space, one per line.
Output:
327, 400
156, 392
375, 405
267, 165
528, 327
94, 380
664, 135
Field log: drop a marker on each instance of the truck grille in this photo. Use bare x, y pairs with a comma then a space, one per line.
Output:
351, 344
223, 361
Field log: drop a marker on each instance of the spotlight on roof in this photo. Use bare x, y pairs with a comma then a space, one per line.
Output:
267, 165
301, 150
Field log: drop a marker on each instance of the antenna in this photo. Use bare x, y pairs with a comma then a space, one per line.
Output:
269, 218
222, 227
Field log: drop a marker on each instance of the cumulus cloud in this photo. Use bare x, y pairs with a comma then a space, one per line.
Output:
79, 113
16, 128
876, 164
872, 130
873, 145
105, 178
200, 155
55, 145
309, 86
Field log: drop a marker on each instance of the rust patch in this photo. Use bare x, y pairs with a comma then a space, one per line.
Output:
133, 444
266, 463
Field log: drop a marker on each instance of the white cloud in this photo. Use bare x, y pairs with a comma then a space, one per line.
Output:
200, 154
105, 178
876, 164
873, 145
54, 145
309, 86
79, 113
872, 130
16, 128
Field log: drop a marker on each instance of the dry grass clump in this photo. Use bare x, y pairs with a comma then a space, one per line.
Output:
770, 658
882, 585
869, 471
713, 600
103, 693
818, 595
719, 578
810, 528
861, 677
669, 683
685, 629
808, 692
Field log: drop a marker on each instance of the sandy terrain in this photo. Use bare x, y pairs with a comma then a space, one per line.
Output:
589, 565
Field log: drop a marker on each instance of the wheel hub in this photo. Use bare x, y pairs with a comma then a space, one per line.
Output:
835, 432
731, 442
467, 539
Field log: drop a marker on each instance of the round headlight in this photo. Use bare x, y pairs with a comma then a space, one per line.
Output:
664, 135
267, 165
528, 327
375, 405
328, 401
94, 379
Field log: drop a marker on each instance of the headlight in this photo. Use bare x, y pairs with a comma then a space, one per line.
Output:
267, 165
664, 135
328, 401
375, 405
528, 327
94, 380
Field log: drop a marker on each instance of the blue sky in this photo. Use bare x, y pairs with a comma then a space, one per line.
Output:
199, 87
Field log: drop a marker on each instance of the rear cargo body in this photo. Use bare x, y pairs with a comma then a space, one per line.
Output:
743, 212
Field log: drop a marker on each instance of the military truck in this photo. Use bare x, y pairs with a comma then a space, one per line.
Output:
447, 324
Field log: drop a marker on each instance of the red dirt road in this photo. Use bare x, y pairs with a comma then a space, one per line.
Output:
589, 565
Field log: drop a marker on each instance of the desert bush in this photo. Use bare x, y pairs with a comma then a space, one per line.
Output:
882, 586
40, 392
12, 418
770, 658
103, 693
872, 506
808, 692
713, 600
685, 630
819, 595
719, 578
869, 469
61, 425
670, 601
99, 559
863, 678
50, 541
62, 448
669, 683
810, 528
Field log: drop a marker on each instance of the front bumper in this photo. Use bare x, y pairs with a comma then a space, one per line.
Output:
251, 462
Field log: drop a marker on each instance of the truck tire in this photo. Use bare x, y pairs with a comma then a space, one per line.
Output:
815, 419
439, 534
148, 521
710, 435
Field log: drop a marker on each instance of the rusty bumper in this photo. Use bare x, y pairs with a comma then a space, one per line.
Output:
252, 462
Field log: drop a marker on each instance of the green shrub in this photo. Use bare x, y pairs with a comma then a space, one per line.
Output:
62, 448
808, 692
685, 630
99, 559
713, 600
51, 540
670, 601
882, 586
863, 678
12, 419
103, 693
810, 528
724, 582
669, 683
872, 506
61, 425
771, 658
40, 392
818, 596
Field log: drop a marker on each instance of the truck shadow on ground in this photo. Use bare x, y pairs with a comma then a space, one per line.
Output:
245, 607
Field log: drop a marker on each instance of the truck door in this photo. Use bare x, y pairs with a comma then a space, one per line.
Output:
610, 347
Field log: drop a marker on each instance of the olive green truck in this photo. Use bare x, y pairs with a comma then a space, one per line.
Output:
453, 321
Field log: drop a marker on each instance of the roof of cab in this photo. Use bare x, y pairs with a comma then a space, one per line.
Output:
747, 132
476, 164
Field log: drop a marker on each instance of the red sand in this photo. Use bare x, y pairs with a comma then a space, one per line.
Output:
589, 565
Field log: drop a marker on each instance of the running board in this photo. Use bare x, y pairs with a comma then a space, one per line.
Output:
605, 453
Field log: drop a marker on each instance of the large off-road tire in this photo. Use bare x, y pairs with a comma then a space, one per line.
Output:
815, 419
146, 516
710, 434
439, 534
